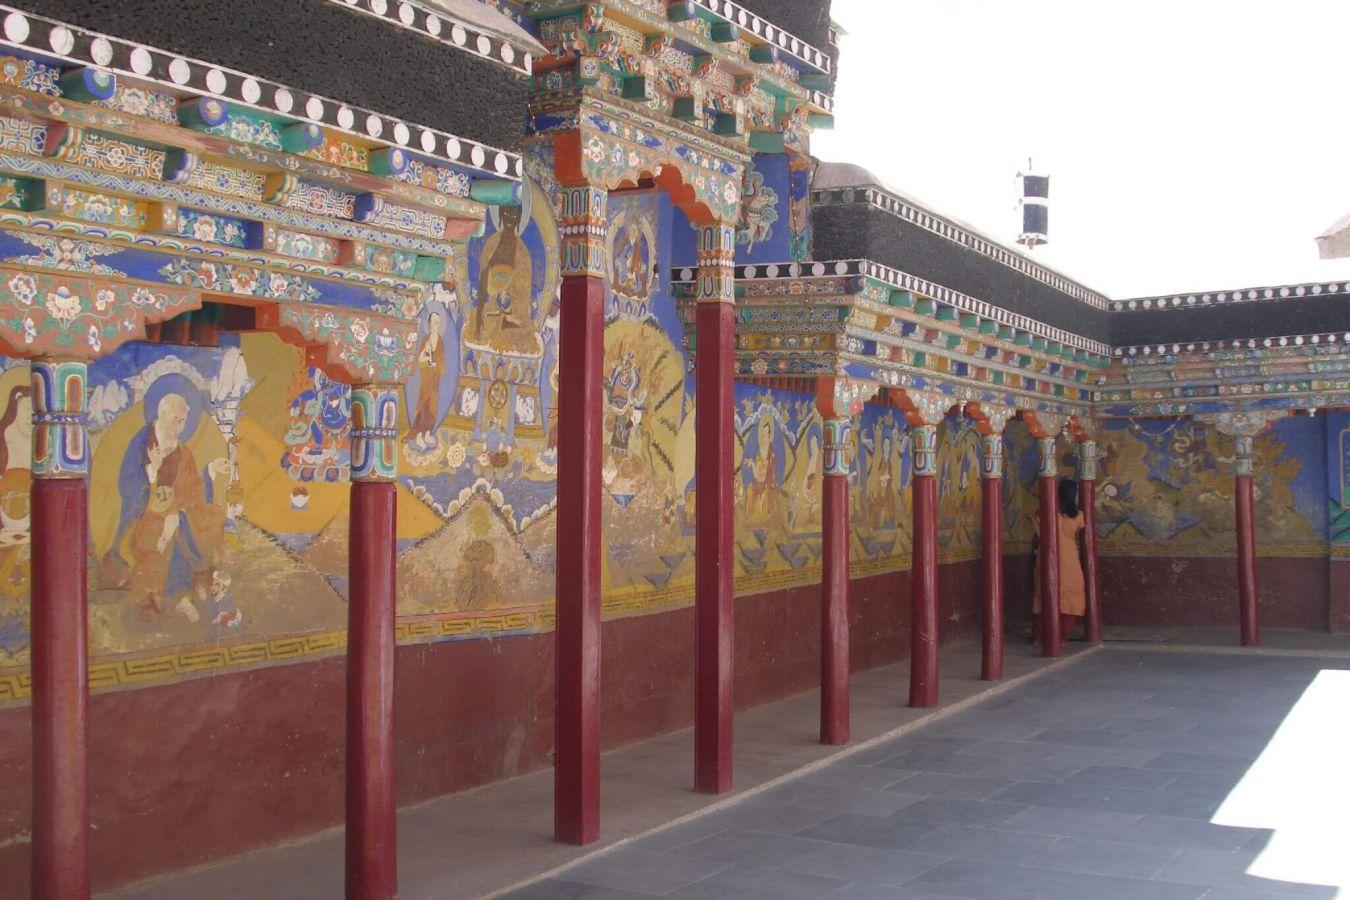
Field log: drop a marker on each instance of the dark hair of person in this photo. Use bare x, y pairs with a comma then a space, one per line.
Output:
1068, 498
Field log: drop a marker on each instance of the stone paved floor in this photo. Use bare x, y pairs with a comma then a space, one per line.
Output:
1095, 781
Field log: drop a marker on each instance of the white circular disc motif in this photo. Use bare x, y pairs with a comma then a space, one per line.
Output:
16, 27
458, 35
250, 90
401, 133
61, 40
101, 51
406, 14
215, 81
434, 26
283, 100
180, 71
345, 117
501, 163
478, 156
374, 126
314, 108
141, 61
483, 44
428, 142
453, 148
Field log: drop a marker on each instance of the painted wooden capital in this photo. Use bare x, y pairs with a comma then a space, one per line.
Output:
991, 455
843, 398
356, 347
1244, 459
716, 263
990, 418
75, 316
1087, 460
584, 227
924, 407
923, 446
1045, 457
838, 446
1044, 424
1242, 423
60, 440
374, 432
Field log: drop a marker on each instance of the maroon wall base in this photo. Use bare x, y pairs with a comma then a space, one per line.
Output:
1338, 594
1171, 591
241, 761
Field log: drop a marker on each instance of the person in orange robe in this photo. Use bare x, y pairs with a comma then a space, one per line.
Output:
1072, 589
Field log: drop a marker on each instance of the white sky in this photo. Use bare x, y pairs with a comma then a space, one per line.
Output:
1191, 144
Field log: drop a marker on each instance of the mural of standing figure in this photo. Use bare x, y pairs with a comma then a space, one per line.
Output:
170, 534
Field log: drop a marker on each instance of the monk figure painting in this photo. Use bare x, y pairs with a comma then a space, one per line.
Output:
170, 534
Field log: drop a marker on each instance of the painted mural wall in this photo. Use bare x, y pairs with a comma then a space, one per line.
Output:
219, 476
1166, 489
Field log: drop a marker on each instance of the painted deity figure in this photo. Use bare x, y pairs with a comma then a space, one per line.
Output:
16, 478
761, 496
632, 262
627, 397
503, 319
170, 531
430, 369
318, 435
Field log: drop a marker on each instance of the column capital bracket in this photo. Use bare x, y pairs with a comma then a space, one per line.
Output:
922, 407
990, 418
842, 397
1241, 423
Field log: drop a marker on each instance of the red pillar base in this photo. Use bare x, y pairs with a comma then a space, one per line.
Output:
834, 649
60, 667
923, 662
714, 596
991, 655
1049, 567
576, 773
372, 818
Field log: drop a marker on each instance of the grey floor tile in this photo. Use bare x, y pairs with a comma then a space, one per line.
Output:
1105, 756
956, 811
1099, 887
1079, 737
1053, 768
879, 776
847, 800
950, 784
644, 871
927, 761
984, 844
1204, 763
1123, 776
1008, 750
867, 831
741, 881
1070, 822
776, 817
680, 835
1099, 856
1187, 834
562, 889
748, 848
859, 863
966, 878
1218, 868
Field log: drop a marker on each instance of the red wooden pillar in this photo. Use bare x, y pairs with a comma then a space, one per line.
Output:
371, 860
581, 353
1248, 598
1087, 501
838, 399
834, 649
714, 587
1049, 547
59, 644
990, 421
924, 410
